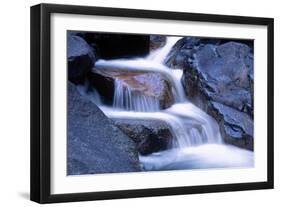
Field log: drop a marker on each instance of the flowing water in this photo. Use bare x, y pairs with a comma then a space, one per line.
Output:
125, 98
198, 142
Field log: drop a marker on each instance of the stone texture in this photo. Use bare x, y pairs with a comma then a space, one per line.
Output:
94, 143
149, 135
80, 57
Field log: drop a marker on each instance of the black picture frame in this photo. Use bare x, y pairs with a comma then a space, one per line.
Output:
41, 96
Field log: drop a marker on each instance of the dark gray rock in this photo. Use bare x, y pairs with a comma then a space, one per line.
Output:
181, 55
95, 144
238, 126
182, 52
80, 56
149, 135
157, 41
219, 79
224, 72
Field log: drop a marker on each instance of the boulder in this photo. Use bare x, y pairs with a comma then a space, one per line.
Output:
237, 126
156, 41
94, 143
149, 135
218, 78
80, 57
182, 52
115, 46
139, 83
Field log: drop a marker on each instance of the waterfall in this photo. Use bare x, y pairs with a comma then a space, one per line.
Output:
203, 130
206, 130
125, 98
192, 127
178, 129
209, 127
160, 54
147, 65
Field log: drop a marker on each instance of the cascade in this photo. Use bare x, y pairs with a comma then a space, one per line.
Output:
197, 134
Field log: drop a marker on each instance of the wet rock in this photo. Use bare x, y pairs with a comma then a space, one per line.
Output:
80, 56
181, 55
157, 41
224, 73
139, 82
182, 52
149, 135
219, 79
237, 126
94, 143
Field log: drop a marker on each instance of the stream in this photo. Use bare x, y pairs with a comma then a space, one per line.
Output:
198, 143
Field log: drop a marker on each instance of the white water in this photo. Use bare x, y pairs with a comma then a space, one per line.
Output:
197, 131
160, 54
152, 63
146, 65
125, 98
198, 142
199, 157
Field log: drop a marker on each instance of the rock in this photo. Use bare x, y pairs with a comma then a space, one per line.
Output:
238, 126
218, 78
115, 46
149, 135
182, 52
157, 41
104, 84
139, 83
224, 72
80, 57
95, 144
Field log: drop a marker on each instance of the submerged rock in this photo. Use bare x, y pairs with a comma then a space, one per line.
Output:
218, 78
94, 143
149, 84
80, 56
149, 135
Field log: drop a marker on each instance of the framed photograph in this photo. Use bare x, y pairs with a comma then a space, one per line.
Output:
133, 103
